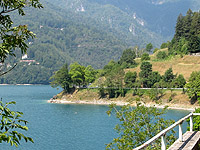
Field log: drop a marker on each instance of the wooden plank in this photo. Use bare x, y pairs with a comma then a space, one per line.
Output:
190, 141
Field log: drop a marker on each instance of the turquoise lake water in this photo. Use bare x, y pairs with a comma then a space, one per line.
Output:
59, 126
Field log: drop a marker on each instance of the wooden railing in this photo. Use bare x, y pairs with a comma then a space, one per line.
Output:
163, 133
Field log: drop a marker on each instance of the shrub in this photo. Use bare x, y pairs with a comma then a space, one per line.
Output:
130, 78
155, 93
145, 56
155, 50
161, 55
179, 82
164, 45
101, 92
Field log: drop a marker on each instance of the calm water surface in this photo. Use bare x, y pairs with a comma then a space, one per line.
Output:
59, 126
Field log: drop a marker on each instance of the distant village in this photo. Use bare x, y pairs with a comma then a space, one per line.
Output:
29, 61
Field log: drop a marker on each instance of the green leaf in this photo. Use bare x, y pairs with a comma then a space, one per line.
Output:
9, 139
11, 143
30, 139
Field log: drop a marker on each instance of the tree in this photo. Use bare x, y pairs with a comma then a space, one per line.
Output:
186, 38
114, 81
179, 27
127, 58
194, 40
145, 56
155, 50
155, 93
62, 78
164, 45
168, 76
193, 86
149, 47
90, 74
117, 77
187, 24
145, 73
109, 67
146, 69
10, 121
130, 78
12, 38
155, 77
77, 73
138, 125
179, 82
161, 55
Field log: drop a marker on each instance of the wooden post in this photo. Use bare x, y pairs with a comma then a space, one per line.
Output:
163, 142
180, 132
191, 123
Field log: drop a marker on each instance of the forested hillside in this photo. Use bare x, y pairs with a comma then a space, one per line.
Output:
127, 26
89, 32
60, 39
158, 16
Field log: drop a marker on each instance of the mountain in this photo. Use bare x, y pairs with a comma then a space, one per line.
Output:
60, 39
91, 32
127, 27
158, 16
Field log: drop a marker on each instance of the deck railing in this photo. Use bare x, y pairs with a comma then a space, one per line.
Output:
163, 133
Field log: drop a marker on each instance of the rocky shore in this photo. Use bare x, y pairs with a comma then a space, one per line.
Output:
121, 103
179, 102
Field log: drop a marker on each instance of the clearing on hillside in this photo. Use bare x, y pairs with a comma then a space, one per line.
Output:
185, 65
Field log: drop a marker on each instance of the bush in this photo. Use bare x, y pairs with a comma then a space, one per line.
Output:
138, 92
193, 87
155, 94
179, 82
130, 78
161, 84
120, 92
145, 56
164, 45
161, 55
101, 92
137, 125
155, 50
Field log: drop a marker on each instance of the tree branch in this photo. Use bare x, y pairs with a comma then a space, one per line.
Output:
7, 11
8, 70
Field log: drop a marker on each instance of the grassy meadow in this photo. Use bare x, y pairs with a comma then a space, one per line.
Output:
181, 65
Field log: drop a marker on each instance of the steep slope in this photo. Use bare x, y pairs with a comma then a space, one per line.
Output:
60, 39
128, 27
158, 16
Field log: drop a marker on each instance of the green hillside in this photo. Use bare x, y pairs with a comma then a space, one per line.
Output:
114, 19
60, 39
89, 32
158, 16
180, 65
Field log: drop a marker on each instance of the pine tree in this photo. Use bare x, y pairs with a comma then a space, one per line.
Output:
145, 74
187, 24
179, 27
194, 41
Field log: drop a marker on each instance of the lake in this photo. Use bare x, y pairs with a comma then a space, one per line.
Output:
60, 126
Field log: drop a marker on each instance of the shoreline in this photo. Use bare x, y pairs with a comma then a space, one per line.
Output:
121, 103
